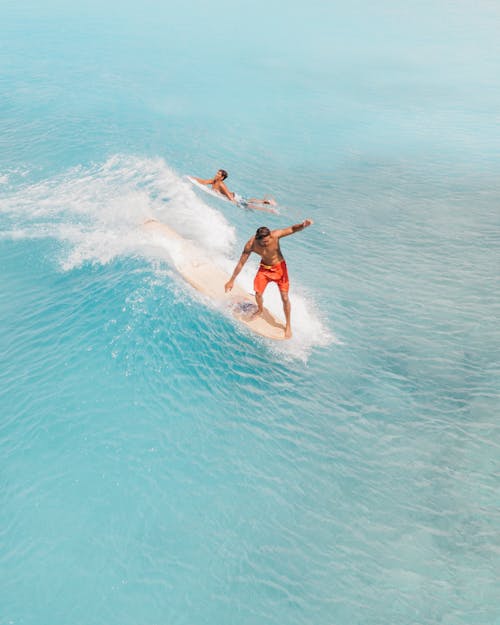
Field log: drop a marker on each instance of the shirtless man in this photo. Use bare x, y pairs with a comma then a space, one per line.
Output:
219, 185
272, 268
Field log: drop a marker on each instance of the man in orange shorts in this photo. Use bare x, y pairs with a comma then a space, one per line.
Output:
272, 266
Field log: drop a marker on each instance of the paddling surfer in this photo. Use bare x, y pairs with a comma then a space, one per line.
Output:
217, 183
272, 266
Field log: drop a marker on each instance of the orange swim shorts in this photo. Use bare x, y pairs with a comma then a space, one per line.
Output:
271, 273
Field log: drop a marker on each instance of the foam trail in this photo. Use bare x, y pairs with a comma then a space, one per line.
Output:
103, 205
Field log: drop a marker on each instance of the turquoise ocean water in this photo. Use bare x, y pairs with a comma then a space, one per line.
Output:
160, 465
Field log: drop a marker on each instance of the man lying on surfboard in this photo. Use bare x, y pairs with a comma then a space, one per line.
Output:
218, 184
272, 268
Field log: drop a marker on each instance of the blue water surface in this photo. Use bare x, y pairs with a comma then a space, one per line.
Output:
160, 464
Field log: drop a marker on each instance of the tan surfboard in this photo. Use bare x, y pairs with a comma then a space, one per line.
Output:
206, 277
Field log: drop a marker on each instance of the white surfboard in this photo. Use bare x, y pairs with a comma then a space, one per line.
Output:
202, 274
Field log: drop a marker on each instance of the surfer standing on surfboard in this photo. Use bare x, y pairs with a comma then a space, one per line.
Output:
272, 266
218, 184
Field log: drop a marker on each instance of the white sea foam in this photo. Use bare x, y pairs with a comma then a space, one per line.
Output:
10, 175
97, 213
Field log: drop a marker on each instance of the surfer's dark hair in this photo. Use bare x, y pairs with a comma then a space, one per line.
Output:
262, 232
224, 173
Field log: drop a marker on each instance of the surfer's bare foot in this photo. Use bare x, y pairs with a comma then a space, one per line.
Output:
288, 333
257, 313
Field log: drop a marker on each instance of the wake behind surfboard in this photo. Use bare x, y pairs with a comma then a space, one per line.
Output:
202, 274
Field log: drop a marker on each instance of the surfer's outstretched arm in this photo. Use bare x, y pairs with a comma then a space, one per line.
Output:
285, 232
201, 181
247, 250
